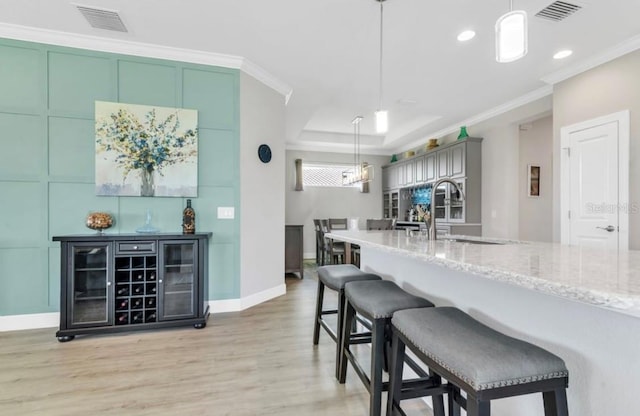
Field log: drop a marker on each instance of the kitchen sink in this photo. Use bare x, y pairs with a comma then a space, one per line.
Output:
464, 240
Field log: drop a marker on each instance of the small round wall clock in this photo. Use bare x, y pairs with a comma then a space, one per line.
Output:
264, 153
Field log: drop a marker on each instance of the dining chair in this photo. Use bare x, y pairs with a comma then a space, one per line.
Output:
333, 252
383, 224
320, 250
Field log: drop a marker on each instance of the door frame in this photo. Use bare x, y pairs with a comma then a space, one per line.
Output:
624, 208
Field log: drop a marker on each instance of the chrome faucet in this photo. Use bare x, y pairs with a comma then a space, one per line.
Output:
432, 211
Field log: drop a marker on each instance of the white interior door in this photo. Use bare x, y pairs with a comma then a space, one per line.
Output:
593, 194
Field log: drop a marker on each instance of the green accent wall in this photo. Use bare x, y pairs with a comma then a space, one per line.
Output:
47, 167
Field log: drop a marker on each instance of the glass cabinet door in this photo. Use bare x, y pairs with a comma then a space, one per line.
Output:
456, 202
89, 285
178, 279
439, 198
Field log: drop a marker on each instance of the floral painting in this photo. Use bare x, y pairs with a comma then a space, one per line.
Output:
146, 151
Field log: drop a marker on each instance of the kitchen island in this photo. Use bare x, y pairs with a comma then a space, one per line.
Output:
581, 304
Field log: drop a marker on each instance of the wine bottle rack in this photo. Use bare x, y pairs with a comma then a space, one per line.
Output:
136, 289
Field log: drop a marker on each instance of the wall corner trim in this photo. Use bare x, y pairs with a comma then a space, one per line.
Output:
236, 305
147, 50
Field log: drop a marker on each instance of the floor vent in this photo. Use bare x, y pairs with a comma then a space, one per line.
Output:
102, 19
558, 10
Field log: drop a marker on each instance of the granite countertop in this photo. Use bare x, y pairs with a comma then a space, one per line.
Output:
601, 278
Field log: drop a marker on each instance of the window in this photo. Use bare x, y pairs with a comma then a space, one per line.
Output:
325, 175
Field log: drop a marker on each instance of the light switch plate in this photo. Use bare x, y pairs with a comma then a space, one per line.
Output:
226, 213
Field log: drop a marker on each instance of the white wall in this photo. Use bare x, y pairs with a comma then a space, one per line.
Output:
536, 213
603, 90
314, 202
261, 189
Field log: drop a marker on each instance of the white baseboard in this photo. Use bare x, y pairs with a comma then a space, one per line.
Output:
52, 320
30, 321
236, 305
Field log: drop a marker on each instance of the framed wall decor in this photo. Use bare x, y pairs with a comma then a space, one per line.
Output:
533, 180
146, 150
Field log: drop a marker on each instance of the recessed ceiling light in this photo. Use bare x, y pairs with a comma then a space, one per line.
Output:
562, 54
466, 35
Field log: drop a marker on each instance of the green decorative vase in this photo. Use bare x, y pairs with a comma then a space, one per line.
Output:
394, 158
463, 133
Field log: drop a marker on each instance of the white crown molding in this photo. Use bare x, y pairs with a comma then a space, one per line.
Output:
610, 54
266, 78
147, 50
336, 148
493, 112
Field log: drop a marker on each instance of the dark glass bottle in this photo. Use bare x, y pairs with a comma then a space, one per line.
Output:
188, 219
137, 318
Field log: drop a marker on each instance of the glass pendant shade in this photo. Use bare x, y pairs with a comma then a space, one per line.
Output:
382, 121
361, 172
511, 36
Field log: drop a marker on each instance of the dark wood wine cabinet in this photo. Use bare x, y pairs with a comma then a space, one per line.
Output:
125, 282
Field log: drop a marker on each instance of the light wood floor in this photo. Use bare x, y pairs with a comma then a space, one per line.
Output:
257, 362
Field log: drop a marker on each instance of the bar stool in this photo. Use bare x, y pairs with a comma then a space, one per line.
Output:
335, 277
377, 301
482, 362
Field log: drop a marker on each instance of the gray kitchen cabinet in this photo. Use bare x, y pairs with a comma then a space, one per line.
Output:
460, 160
452, 160
390, 203
425, 168
390, 177
406, 170
420, 170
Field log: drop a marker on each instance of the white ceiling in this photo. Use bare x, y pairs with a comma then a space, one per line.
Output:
326, 51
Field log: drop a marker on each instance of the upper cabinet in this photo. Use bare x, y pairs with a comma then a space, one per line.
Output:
398, 175
425, 168
451, 161
460, 160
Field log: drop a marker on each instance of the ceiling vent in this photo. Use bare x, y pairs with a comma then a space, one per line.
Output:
102, 19
558, 10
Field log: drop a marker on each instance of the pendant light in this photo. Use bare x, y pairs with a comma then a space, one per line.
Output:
361, 172
382, 116
511, 35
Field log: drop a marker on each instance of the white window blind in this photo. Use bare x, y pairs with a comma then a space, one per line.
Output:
324, 175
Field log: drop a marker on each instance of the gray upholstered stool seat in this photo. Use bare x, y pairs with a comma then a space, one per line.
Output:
335, 277
377, 301
483, 362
